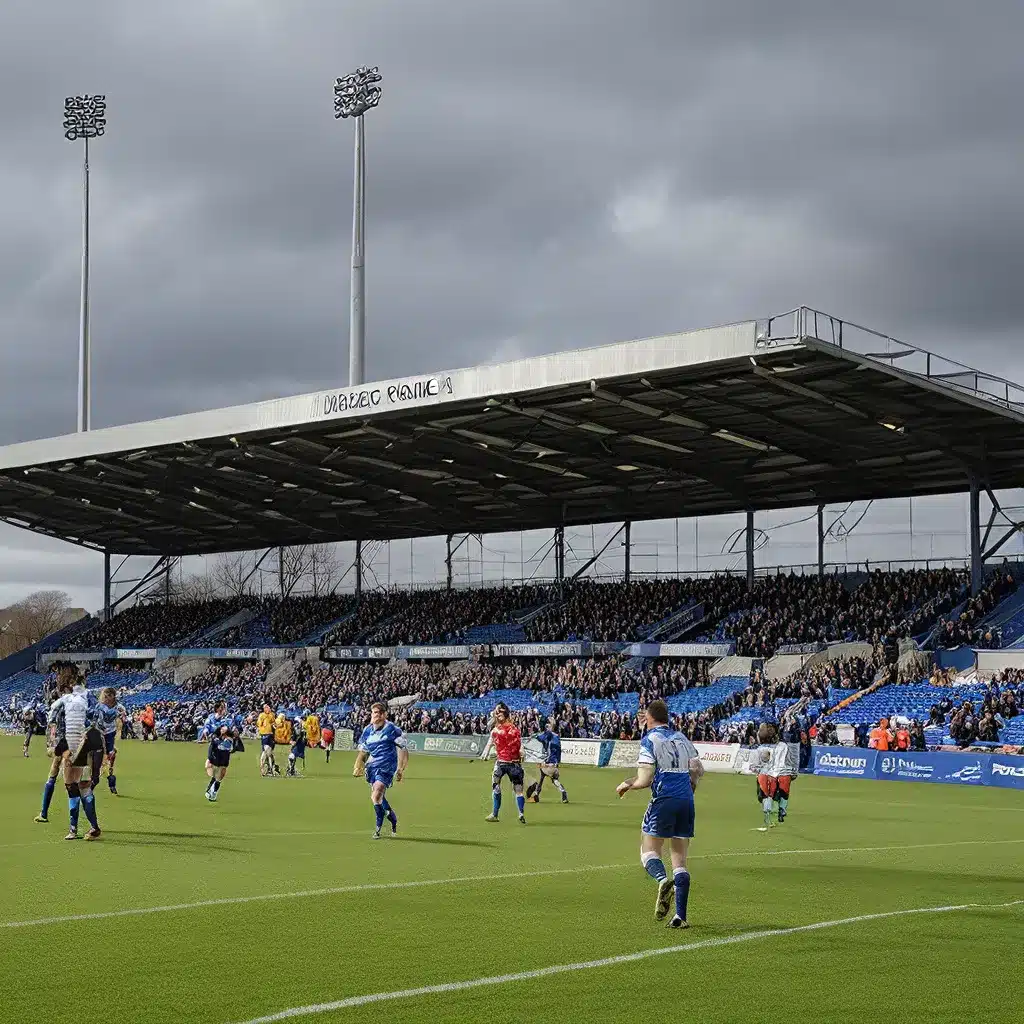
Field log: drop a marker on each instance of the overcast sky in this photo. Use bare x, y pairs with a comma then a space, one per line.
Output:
542, 176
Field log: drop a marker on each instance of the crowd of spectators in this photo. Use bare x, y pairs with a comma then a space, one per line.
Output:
590, 610
781, 610
156, 625
438, 615
293, 619
968, 628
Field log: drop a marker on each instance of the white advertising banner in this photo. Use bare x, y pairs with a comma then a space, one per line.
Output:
581, 752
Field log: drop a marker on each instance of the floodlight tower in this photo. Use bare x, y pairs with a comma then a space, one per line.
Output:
85, 118
354, 95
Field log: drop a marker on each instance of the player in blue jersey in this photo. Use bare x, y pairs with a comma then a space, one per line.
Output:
669, 765
383, 757
109, 717
549, 764
222, 744
298, 750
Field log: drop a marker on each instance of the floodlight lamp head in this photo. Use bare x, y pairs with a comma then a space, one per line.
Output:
358, 92
85, 117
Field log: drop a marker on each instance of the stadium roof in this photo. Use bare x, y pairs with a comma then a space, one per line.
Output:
797, 410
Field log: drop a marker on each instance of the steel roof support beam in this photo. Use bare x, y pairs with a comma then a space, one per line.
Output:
106, 585
750, 547
590, 561
975, 517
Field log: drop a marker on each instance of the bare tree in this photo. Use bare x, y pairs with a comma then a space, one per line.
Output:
293, 565
324, 569
38, 615
232, 574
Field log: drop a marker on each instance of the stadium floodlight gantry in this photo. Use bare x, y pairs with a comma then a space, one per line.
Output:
796, 410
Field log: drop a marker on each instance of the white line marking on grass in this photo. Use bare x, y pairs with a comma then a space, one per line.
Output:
609, 961
464, 879
332, 891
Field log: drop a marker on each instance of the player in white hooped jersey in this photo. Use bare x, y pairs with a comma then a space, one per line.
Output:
670, 766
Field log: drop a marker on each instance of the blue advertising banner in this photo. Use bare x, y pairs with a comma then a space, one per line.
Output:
945, 766
847, 762
937, 766
1005, 771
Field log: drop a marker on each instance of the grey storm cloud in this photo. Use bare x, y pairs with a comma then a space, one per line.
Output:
541, 176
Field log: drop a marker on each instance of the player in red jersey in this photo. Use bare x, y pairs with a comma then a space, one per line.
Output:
327, 740
508, 742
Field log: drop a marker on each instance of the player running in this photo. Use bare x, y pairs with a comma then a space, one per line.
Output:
56, 749
669, 764
327, 740
786, 766
298, 750
549, 765
31, 715
508, 742
69, 715
109, 717
265, 731
222, 744
383, 757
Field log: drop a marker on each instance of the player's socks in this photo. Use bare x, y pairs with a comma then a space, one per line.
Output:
112, 783
766, 805
216, 786
521, 804
74, 804
654, 866
328, 757
47, 797
783, 807
682, 880
89, 806
495, 804
561, 789
378, 809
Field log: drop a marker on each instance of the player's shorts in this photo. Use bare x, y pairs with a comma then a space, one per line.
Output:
550, 770
62, 747
109, 740
512, 769
375, 775
668, 818
767, 787
91, 743
267, 742
218, 758
783, 783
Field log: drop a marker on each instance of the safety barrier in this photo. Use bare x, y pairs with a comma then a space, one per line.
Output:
951, 768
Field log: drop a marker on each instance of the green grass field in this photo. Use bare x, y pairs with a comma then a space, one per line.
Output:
454, 899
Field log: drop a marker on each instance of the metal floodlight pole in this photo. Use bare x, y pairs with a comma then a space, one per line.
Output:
85, 118
354, 95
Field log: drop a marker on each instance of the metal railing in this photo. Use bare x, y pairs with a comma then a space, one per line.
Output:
805, 322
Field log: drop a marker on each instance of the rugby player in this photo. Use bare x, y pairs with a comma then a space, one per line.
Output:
298, 750
327, 740
383, 757
265, 731
508, 742
56, 748
110, 717
669, 764
79, 740
549, 765
222, 744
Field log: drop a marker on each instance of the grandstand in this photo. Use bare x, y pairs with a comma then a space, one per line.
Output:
801, 409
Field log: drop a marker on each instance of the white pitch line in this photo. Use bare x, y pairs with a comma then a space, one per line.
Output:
332, 891
460, 880
609, 961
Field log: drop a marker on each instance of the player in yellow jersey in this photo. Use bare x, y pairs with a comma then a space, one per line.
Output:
265, 731
312, 727
282, 730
